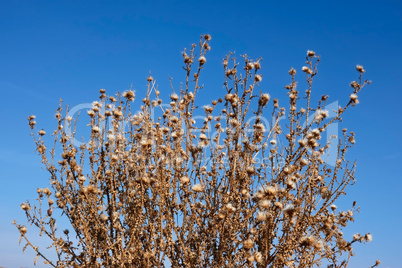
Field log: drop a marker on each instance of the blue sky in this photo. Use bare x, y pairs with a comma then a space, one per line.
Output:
69, 49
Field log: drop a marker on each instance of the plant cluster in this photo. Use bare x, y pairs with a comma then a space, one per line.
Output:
232, 191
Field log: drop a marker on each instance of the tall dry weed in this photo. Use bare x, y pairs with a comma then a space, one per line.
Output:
232, 191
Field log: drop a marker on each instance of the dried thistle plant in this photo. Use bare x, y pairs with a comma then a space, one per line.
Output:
230, 192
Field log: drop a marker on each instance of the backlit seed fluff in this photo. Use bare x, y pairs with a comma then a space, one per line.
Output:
42, 132
174, 119
305, 69
292, 71
202, 60
95, 129
310, 53
117, 113
229, 97
308, 240
264, 99
302, 142
82, 178
291, 184
250, 259
248, 244
96, 104
25, 206
289, 208
321, 114
303, 162
360, 68
356, 237
258, 257
145, 180
270, 190
230, 207
184, 180
233, 122
259, 127
103, 217
208, 109
203, 137
129, 95
258, 78
265, 204
47, 191
250, 170
353, 97
23, 230
150, 78
198, 188
354, 84
368, 237
221, 215
91, 113
316, 132
114, 158
250, 66
174, 97
333, 207
261, 216
278, 205
319, 244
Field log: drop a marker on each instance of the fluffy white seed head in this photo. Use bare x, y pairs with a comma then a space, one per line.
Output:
198, 188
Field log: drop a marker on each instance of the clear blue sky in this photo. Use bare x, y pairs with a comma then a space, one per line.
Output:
69, 49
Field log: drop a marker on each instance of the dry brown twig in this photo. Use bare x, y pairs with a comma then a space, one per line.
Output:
226, 193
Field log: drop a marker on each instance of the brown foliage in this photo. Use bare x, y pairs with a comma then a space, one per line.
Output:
230, 192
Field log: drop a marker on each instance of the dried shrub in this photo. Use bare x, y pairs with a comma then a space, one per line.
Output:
227, 192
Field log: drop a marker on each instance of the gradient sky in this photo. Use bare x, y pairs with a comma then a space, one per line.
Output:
69, 49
